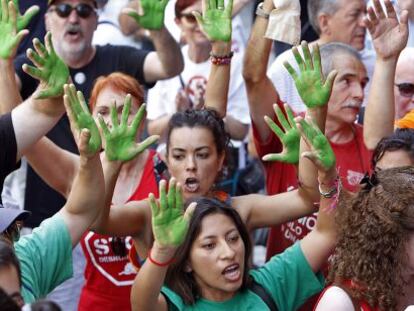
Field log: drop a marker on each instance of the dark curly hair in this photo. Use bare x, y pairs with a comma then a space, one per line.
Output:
374, 226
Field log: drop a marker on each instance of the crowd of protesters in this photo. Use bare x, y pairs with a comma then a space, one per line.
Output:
106, 208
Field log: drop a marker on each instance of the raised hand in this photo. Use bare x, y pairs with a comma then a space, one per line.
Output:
80, 118
321, 153
289, 136
169, 222
389, 35
310, 82
153, 14
24, 20
215, 21
120, 141
52, 72
10, 35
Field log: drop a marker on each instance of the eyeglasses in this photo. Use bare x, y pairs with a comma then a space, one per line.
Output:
406, 89
189, 17
83, 10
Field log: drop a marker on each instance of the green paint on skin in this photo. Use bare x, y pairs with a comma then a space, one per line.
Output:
120, 144
22, 21
310, 84
81, 116
153, 17
290, 137
10, 34
169, 224
50, 69
216, 20
319, 144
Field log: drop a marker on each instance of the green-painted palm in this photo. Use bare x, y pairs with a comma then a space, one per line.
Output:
10, 36
120, 141
321, 153
169, 222
215, 21
153, 14
22, 20
289, 137
310, 82
80, 118
50, 69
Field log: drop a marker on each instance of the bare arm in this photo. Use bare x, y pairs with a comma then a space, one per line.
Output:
167, 60
8, 87
158, 126
389, 38
261, 93
56, 166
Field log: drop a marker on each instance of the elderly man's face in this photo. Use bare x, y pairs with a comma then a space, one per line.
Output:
404, 88
72, 33
346, 24
348, 89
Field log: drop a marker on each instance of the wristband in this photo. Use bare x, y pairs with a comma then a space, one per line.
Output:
221, 60
159, 264
260, 12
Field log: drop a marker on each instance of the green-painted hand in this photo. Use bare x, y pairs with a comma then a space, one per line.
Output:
321, 153
80, 118
290, 137
52, 72
215, 21
169, 222
153, 14
10, 36
121, 139
310, 83
24, 20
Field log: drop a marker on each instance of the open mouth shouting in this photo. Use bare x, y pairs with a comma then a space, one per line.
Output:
232, 273
191, 185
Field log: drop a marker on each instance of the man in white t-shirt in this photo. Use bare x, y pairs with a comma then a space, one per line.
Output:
334, 21
187, 90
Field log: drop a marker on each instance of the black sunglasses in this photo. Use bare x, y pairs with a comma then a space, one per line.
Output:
406, 89
83, 10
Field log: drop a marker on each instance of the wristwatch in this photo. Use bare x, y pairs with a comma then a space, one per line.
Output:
260, 12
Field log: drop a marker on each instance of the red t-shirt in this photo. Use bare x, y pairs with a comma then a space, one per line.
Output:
109, 277
353, 161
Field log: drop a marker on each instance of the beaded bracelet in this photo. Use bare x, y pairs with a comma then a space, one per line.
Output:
221, 60
332, 193
159, 264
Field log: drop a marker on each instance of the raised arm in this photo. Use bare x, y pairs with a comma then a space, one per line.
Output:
85, 200
43, 109
167, 60
389, 37
261, 92
169, 226
315, 92
10, 39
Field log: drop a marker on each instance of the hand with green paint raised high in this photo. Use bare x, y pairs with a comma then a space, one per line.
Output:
169, 222
321, 153
80, 118
289, 136
120, 141
22, 20
10, 35
52, 72
153, 14
310, 83
215, 20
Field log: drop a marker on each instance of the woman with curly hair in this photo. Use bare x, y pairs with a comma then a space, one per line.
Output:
373, 265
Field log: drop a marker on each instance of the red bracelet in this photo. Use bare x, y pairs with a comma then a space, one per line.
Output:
159, 264
221, 60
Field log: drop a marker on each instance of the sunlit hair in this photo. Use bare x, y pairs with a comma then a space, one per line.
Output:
119, 82
318, 7
374, 227
401, 139
183, 282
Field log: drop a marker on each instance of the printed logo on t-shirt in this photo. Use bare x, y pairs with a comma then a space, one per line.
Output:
296, 230
196, 89
354, 178
117, 269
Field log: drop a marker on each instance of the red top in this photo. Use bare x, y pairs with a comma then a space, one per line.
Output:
353, 161
109, 277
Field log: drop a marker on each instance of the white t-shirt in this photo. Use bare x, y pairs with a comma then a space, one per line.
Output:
285, 85
161, 98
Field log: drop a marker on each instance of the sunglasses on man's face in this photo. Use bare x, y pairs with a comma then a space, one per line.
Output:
83, 10
406, 89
